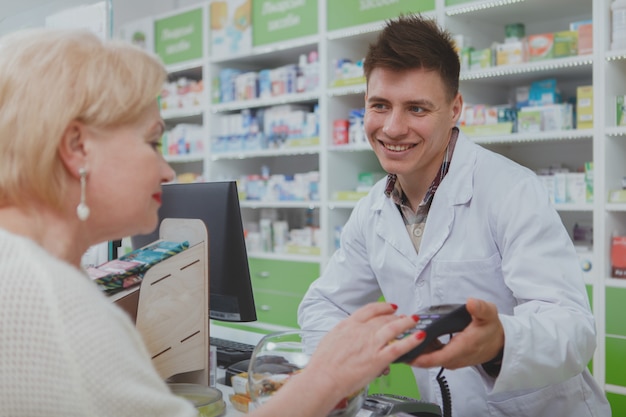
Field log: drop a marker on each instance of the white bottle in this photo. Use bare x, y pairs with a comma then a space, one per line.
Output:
618, 24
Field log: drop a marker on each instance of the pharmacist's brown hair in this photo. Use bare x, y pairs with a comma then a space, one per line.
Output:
50, 78
415, 42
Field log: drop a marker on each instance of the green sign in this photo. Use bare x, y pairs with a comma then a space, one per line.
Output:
345, 13
179, 38
281, 20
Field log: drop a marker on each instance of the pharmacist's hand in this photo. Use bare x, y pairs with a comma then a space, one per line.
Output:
478, 343
362, 346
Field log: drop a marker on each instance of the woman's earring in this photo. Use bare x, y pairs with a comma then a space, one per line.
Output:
82, 211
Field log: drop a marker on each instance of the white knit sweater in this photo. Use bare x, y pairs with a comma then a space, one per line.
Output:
65, 350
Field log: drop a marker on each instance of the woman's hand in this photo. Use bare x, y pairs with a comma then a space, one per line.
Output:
352, 354
361, 347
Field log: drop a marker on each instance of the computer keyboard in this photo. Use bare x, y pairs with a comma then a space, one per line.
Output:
229, 352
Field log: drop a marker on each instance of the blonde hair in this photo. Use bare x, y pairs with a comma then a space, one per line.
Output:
51, 77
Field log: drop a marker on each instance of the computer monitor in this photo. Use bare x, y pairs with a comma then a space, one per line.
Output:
217, 205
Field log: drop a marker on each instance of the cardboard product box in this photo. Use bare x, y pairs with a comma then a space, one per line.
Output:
576, 188
540, 46
585, 37
617, 196
480, 59
620, 108
557, 117
510, 53
529, 120
565, 43
589, 182
584, 107
618, 257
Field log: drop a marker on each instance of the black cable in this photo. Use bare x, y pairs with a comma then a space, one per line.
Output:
446, 398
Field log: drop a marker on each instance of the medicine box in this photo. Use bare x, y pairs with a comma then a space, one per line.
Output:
480, 59
585, 36
584, 107
589, 182
620, 108
565, 43
540, 46
510, 53
529, 120
618, 257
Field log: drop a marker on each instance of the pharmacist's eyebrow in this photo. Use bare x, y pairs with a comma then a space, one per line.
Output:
427, 104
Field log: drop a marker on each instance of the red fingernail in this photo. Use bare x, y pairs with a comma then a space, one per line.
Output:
394, 306
415, 317
420, 335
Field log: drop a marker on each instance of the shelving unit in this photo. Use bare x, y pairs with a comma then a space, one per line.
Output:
483, 22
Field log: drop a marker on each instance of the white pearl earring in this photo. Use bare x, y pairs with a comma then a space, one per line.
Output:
82, 210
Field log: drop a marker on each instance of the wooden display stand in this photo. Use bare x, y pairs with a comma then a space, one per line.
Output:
171, 305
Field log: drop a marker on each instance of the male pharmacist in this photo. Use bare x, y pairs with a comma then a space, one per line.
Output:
455, 223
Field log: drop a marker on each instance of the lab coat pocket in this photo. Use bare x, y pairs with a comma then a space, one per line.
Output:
455, 280
562, 399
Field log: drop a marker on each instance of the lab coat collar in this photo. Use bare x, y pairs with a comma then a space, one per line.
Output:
455, 189
458, 184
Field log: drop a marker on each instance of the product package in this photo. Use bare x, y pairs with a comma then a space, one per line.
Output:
618, 257
129, 269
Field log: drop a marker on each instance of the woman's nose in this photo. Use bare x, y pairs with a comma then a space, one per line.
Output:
168, 172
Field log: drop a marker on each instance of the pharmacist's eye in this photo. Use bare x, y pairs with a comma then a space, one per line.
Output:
378, 106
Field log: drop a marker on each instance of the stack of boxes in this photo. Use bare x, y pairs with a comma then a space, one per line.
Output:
518, 48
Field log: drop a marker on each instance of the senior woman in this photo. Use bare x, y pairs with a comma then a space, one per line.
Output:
80, 164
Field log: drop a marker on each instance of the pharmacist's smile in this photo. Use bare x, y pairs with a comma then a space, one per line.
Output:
397, 147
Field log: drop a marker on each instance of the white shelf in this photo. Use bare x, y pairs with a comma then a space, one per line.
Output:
577, 65
284, 257
170, 115
254, 204
337, 204
616, 131
265, 102
356, 89
616, 207
615, 282
188, 66
351, 147
553, 135
264, 153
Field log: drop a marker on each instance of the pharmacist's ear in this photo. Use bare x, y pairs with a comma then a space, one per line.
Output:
457, 107
72, 147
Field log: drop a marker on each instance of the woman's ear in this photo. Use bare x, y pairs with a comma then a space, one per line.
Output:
72, 149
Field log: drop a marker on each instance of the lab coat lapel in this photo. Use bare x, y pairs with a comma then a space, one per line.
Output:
455, 189
390, 227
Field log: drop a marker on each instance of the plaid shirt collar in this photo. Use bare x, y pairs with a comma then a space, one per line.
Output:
394, 190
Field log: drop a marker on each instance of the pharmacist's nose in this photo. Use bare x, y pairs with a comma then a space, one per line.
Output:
395, 124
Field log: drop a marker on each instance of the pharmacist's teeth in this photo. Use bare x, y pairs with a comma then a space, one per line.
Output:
397, 148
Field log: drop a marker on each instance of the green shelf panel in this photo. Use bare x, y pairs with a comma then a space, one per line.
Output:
615, 309
618, 404
615, 363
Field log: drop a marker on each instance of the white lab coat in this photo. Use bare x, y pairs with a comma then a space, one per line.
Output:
492, 234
